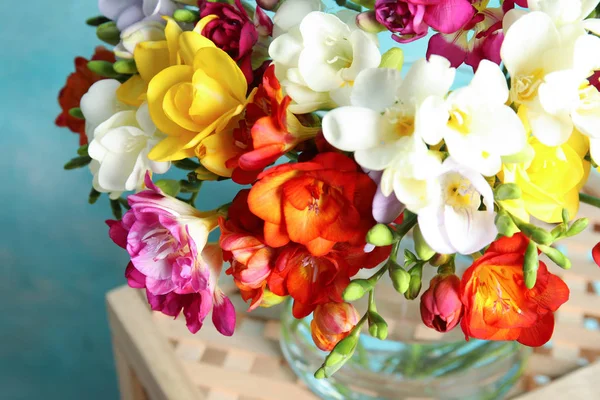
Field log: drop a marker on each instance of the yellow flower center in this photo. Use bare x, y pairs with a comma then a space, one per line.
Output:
525, 87
460, 121
460, 193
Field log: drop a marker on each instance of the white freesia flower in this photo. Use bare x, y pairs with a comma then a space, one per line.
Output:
318, 60
119, 151
100, 103
454, 223
143, 31
380, 127
476, 125
564, 12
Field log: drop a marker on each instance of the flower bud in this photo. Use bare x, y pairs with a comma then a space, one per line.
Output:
186, 15
557, 256
421, 247
143, 31
505, 224
268, 4
331, 323
507, 191
126, 67
400, 279
414, 286
531, 264
441, 308
270, 299
108, 33
439, 259
103, 68
378, 328
171, 187
75, 112
596, 254
367, 21
356, 289
578, 227
380, 235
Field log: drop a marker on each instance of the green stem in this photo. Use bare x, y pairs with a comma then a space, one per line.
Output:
588, 199
349, 5
193, 199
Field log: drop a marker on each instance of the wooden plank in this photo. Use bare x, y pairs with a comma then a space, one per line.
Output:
130, 387
582, 384
147, 352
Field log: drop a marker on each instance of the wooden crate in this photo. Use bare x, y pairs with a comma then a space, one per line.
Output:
157, 358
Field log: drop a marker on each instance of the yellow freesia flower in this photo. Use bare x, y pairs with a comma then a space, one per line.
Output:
550, 181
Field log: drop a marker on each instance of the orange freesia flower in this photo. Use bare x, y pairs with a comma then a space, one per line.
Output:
498, 305
331, 323
317, 203
267, 131
76, 86
313, 280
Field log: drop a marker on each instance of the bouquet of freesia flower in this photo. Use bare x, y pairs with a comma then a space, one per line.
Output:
346, 153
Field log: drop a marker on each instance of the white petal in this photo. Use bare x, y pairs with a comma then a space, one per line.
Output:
318, 73
432, 225
526, 42
469, 231
416, 194
587, 6
318, 28
551, 130
376, 88
365, 54
427, 78
341, 95
144, 120
432, 119
99, 103
286, 48
376, 158
113, 8
114, 171
291, 13
489, 83
559, 93
592, 25
307, 100
587, 122
130, 16
352, 128
499, 128
587, 55
511, 17
595, 150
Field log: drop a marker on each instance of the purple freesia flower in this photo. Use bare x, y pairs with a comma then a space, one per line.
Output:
167, 242
127, 12
410, 19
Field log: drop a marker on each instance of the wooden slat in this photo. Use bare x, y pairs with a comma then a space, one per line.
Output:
582, 384
146, 351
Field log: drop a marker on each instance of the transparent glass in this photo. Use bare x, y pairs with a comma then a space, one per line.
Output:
415, 362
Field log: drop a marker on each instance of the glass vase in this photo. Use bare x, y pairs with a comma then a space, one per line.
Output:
414, 362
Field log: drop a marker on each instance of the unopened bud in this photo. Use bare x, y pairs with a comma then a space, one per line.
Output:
356, 290
378, 328
400, 279
380, 235
368, 22
98, 20
186, 15
421, 247
270, 299
75, 112
103, 68
268, 4
126, 67
393, 58
557, 256
530, 265
109, 33
414, 287
94, 195
507, 191
170, 187
578, 227
505, 224
565, 216
439, 259
535, 233
77, 162
203, 174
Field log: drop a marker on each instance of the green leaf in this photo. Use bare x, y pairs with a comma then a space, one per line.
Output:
115, 206
83, 150
186, 164
393, 58
94, 195
78, 162
75, 112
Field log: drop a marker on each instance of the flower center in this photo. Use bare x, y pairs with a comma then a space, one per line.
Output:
159, 242
589, 98
459, 192
402, 121
524, 87
339, 52
459, 121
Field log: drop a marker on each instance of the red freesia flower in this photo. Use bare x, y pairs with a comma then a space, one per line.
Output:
234, 32
317, 203
331, 323
76, 86
312, 280
498, 305
267, 132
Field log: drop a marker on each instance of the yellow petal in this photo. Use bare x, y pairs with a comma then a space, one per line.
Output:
151, 58
190, 43
133, 91
215, 150
158, 89
172, 33
176, 105
203, 22
218, 65
211, 99
169, 149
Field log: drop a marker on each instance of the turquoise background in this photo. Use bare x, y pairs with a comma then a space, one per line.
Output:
56, 260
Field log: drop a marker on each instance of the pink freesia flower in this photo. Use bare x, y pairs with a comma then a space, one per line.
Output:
441, 308
484, 42
167, 242
232, 30
411, 19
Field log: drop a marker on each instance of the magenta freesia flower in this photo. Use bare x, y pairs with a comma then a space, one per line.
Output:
231, 29
167, 242
410, 19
